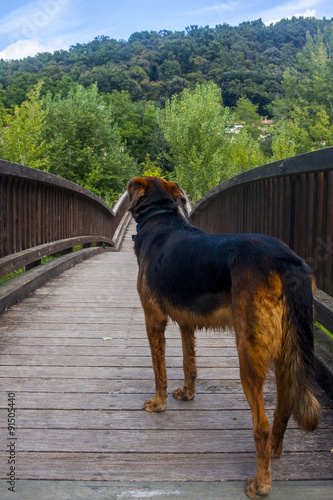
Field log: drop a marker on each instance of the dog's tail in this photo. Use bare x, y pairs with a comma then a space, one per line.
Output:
296, 365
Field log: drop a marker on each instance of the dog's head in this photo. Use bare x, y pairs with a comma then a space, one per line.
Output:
149, 192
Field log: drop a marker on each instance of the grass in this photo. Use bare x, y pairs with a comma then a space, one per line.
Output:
324, 329
11, 275
50, 257
21, 270
77, 247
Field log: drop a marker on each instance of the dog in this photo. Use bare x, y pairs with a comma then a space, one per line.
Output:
250, 282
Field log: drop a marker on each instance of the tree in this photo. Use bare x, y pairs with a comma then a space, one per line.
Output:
127, 117
18, 87
22, 140
136, 121
151, 169
246, 60
84, 142
160, 150
2, 107
195, 124
244, 153
169, 69
305, 113
307, 130
176, 85
283, 140
252, 64
311, 81
247, 113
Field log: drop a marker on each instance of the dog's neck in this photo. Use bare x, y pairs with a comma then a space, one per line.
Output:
141, 220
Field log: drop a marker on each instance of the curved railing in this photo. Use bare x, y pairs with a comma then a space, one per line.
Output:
41, 214
291, 199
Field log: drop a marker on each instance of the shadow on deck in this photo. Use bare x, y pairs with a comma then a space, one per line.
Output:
75, 355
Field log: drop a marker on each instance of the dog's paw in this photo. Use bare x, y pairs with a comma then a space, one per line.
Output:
251, 490
154, 405
254, 490
184, 394
276, 447
276, 452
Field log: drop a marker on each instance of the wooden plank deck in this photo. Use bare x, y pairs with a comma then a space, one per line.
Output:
78, 397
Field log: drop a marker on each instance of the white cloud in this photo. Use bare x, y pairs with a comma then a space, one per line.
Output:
307, 13
305, 8
33, 19
30, 47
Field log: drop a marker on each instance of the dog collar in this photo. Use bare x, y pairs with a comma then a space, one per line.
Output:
149, 215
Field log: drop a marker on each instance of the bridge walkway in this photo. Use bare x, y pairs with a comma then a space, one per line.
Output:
76, 358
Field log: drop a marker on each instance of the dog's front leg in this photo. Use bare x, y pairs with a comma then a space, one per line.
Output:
155, 325
187, 392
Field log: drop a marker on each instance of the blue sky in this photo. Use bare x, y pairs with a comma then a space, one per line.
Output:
29, 27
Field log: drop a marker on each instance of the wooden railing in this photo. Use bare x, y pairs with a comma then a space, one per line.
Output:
42, 214
291, 199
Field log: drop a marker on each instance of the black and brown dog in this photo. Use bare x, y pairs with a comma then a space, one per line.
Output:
253, 283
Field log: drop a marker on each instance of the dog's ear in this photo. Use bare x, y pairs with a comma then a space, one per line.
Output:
136, 188
175, 191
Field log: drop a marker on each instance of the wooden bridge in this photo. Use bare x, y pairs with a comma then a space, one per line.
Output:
75, 362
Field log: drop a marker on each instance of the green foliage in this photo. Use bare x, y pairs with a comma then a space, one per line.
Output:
307, 130
84, 142
195, 124
204, 149
2, 107
127, 116
244, 153
305, 114
136, 122
21, 140
151, 169
176, 85
18, 85
11, 275
324, 329
160, 150
310, 81
247, 113
165, 101
246, 60
74, 136
283, 140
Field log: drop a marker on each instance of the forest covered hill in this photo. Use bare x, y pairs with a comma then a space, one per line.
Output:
166, 103
246, 60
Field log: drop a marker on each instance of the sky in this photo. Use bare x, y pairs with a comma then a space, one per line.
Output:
30, 27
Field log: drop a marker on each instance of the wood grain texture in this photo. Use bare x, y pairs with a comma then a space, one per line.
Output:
79, 397
103, 466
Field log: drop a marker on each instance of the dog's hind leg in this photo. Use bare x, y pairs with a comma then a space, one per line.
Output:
253, 381
281, 415
257, 315
187, 392
155, 324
